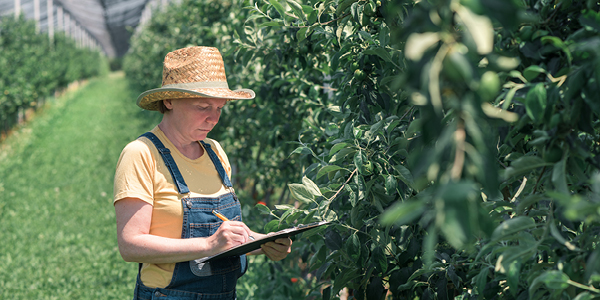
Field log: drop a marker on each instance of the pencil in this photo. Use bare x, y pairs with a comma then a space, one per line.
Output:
220, 215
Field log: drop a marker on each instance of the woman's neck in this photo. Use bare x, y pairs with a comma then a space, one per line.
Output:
190, 149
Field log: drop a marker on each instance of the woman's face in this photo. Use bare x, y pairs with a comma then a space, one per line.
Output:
194, 118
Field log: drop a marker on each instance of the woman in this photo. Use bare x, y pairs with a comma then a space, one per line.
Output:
169, 181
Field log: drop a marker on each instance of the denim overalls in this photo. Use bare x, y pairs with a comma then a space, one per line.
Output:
191, 280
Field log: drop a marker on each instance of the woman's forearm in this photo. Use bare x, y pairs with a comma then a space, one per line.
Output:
148, 248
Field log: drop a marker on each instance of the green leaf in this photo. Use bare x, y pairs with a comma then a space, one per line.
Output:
532, 72
272, 226
535, 102
359, 162
328, 169
333, 240
337, 147
379, 259
520, 254
528, 202
376, 289
341, 154
390, 185
418, 43
301, 193
271, 24
481, 280
403, 212
263, 209
513, 275
558, 43
590, 19
552, 279
382, 53
301, 34
524, 165
311, 187
584, 296
297, 8
559, 179
301, 150
366, 36
344, 4
278, 7
512, 226
480, 27
405, 175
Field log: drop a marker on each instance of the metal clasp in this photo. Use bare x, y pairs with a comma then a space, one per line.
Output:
232, 191
187, 201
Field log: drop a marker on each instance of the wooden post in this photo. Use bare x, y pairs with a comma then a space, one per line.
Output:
50, 6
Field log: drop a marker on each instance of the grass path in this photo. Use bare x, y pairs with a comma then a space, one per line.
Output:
57, 219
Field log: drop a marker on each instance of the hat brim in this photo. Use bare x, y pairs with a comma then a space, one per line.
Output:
149, 99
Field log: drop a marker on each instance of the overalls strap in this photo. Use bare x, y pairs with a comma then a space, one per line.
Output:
174, 170
169, 162
217, 162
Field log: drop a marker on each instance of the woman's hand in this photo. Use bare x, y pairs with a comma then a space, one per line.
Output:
229, 234
278, 249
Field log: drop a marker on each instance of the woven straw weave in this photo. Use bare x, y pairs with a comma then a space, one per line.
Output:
192, 72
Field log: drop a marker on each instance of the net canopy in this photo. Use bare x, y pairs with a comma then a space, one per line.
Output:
105, 24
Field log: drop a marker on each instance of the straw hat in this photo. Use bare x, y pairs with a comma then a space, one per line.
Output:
192, 72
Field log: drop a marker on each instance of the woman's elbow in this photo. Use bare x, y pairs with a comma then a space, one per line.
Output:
127, 253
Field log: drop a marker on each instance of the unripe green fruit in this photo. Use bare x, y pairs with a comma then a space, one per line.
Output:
555, 120
489, 85
526, 33
360, 75
370, 9
552, 154
457, 67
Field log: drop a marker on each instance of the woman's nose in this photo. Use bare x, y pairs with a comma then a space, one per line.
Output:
213, 117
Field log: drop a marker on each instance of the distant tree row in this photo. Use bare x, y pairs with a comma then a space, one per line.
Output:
34, 67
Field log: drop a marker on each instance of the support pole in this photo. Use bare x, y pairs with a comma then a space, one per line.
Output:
17, 8
50, 7
36, 14
60, 18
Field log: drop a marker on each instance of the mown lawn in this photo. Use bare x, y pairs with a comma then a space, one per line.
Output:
57, 227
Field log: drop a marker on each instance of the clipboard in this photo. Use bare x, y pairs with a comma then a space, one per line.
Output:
253, 245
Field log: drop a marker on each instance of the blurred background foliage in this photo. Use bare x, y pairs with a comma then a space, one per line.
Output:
453, 144
35, 67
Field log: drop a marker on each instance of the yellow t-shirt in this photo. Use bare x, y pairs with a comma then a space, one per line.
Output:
141, 173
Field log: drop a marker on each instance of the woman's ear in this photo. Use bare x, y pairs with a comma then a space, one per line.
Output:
168, 104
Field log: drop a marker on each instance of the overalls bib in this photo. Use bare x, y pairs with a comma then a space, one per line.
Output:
191, 280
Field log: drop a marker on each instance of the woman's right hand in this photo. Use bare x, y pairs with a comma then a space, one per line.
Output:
229, 234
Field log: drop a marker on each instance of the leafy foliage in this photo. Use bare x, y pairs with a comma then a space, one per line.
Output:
34, 68
454, 144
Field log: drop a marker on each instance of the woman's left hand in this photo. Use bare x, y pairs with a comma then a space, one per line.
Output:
278, 249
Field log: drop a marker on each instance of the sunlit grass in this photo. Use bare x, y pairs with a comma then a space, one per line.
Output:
56, 174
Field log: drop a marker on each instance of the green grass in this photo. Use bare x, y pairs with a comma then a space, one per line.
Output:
57, 225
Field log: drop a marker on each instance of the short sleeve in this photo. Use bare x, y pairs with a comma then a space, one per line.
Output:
134, 173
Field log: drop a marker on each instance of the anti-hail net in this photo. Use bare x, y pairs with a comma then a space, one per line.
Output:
103, 24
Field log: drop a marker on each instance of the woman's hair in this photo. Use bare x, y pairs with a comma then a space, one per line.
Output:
161, 107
